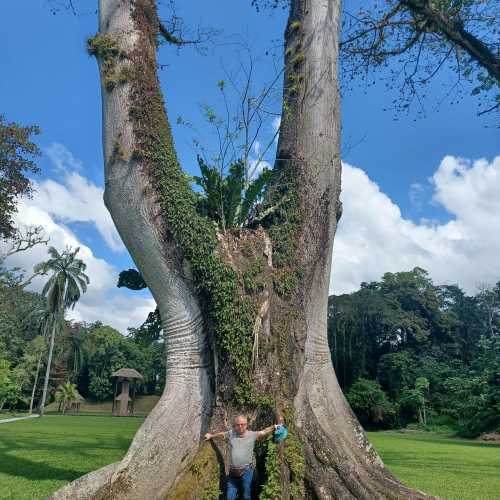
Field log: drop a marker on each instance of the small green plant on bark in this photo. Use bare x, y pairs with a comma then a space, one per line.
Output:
105, 47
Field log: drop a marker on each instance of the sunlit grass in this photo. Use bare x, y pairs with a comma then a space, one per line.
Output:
39, 456
454, 469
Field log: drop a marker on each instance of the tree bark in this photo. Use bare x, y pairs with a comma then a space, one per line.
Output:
35, 384
167, 441
327, 454
340, 462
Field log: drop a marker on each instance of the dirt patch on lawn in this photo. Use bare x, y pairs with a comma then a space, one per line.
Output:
491, 437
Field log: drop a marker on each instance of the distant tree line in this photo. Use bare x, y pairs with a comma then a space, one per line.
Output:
408, 351
84, 354
405, 351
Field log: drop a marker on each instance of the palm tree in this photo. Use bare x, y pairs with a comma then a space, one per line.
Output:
62, 290
67, 394
40, 352
78, 349
43, 319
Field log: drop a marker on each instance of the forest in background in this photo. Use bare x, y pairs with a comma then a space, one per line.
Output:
408, 351
84, 354
405, 351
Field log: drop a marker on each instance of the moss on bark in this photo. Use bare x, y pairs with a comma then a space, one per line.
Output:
230, 313
201, 480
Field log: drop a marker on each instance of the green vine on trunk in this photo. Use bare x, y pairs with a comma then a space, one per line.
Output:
272, 487
105, 47
294, 457
229, 310
230, 314
284, 226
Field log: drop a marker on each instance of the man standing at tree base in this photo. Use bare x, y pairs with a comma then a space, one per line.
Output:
241, 443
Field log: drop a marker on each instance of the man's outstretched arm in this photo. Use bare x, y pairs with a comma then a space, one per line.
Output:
209, 435
264, 432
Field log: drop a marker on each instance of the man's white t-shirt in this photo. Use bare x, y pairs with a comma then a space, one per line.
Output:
240, 448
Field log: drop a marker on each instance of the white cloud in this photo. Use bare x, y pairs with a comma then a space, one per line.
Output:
102, 301
373, 237
257, 164
120, 311
74, 198
276, 123
62, 158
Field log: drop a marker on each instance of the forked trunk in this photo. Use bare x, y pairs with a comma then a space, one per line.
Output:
189, 271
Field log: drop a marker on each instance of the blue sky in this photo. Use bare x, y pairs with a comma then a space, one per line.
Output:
394, 218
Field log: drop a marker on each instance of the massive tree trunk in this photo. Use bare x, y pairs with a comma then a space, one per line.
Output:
213, 327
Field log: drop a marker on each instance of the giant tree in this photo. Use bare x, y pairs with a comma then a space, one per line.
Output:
261, 349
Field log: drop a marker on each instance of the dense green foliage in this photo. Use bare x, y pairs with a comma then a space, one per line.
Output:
406, 350
131, 279
16, 160
225, 198
21, 315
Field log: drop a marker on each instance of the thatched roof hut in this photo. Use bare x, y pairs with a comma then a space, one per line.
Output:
127, 373
123, 404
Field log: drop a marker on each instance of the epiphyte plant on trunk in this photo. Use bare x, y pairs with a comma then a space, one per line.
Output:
225, 198
229, 348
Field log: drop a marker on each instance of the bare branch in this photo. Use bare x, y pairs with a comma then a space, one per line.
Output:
25, 239
393, 30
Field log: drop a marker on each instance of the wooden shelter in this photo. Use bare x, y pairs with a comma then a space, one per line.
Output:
123, 403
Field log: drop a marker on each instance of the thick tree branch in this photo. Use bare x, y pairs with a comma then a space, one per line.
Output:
454, 32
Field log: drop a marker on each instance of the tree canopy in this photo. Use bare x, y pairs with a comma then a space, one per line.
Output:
17, 153
407, 350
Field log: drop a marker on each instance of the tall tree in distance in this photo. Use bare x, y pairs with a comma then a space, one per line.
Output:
244, 313
62, 290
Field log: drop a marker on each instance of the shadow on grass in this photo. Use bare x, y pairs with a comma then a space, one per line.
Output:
83, 452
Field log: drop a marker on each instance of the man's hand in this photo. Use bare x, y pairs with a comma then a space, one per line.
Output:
208, 436
264, 432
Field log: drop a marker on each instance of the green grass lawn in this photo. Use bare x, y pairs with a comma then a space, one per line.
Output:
4, 416
454, 469
39, 456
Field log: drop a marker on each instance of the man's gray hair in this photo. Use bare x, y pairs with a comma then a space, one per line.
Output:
240, 416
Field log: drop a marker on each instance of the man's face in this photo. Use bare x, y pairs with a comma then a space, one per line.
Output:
240, 425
